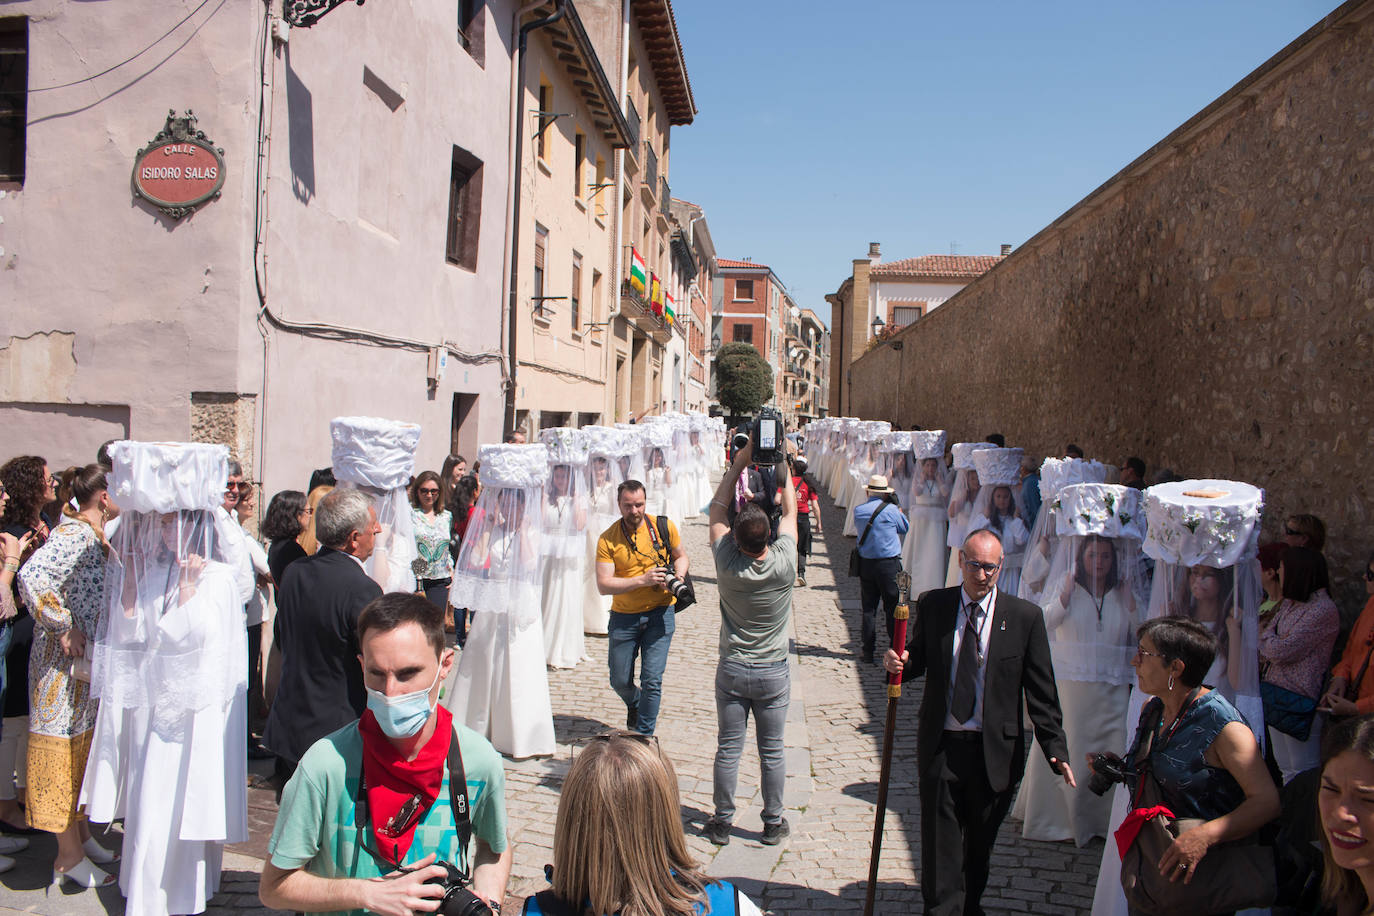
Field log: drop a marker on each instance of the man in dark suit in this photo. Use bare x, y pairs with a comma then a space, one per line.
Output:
318, 602
982, 652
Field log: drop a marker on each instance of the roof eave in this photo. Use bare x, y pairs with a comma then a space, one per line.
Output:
574, 50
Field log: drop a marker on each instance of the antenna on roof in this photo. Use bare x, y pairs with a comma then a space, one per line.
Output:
953, 248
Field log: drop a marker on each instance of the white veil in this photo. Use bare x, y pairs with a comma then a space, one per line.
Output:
1055, 474
498, 565
964, 492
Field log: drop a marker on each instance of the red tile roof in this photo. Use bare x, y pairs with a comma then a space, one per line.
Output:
727, 263
959, 266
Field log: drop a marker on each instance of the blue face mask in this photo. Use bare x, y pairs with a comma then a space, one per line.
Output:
401, 716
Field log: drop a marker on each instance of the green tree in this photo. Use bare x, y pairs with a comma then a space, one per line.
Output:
744, 380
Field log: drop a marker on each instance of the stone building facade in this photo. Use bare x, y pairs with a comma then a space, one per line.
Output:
1210, 308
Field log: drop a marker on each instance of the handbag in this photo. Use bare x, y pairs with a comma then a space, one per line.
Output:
854, 553
1232, 876
1287, 711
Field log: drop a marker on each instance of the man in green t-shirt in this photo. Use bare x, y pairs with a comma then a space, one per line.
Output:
755, 581
369, 810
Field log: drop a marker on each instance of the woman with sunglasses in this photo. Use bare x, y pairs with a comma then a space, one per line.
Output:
1351, 691
1203, 756
1345, 806
433, 529
618, 846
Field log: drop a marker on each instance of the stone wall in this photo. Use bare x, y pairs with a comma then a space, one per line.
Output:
1210, 308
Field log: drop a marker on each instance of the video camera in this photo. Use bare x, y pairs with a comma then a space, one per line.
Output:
768, 437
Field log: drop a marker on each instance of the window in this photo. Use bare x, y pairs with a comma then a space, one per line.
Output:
579, 164
596, 295
575, 295
744, 290
464, 209
472, 23
903, 315
14, 87
543, 119
541, 247
744, 333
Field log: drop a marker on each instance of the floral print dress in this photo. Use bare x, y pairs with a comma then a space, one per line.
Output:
63, 585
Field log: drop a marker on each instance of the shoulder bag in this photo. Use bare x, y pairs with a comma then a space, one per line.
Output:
688, 597
1231, 876
854, 554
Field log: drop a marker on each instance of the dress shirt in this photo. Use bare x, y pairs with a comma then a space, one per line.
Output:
885, 540
975, 721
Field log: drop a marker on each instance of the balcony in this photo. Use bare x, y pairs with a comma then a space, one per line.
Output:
650, 168
632, 119
665, 197
639, 312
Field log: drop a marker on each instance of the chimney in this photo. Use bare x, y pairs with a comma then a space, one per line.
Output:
874, 251
1006, 249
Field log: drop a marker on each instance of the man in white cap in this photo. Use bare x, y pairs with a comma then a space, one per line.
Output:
881, 525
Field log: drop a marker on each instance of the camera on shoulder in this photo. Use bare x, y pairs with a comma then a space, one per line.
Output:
1107, 770
768, 436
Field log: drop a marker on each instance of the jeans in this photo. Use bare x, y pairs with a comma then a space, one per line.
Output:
764, 688
877, 583
648, 635
803, 542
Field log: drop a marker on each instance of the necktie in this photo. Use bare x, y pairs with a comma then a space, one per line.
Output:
966, 678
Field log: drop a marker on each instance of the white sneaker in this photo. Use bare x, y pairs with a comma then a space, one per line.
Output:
10, 844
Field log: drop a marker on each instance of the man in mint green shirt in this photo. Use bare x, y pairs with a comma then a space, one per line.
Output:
330, 854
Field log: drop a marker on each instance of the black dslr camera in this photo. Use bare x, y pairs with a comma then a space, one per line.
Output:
677, 587
1107, 771
457, 899
768, 437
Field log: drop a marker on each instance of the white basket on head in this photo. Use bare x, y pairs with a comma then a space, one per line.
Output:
1106, 509
928, 443
998, 467
168, 476
566, 445
373, 452
1058, 473
1203, 522
514, 466
963, 454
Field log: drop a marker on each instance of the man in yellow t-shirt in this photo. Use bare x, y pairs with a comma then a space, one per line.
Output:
631, 563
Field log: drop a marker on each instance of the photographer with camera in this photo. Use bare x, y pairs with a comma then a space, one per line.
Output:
882, 525
641, 562
755, 581
427, 794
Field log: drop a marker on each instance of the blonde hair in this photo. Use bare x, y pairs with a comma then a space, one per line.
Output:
618, 843
307, 537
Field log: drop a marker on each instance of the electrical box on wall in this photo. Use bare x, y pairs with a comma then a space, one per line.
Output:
437, 363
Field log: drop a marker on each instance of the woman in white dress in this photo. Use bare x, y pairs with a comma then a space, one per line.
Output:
960, 512
501, 688
1004, 518
658, 481
170, 668
1091, 618
602, 513
564, 572
924, 549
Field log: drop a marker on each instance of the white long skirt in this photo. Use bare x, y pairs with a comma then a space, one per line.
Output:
856, 497
596, 607
564, 588
501, 690
924, 555
182, 792
1094, 720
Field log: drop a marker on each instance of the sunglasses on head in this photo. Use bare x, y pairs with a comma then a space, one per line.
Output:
1291, 533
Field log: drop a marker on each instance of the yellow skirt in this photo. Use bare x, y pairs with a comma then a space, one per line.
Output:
56, 769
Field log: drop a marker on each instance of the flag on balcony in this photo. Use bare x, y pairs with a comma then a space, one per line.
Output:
637, 271
668, 311
655, 295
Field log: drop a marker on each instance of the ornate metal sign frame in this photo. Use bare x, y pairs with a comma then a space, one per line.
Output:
305, 13
180, 130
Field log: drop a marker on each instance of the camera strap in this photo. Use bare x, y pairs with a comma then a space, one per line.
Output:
458, 802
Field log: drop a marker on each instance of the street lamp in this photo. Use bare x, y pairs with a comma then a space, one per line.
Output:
877, 325
715, 341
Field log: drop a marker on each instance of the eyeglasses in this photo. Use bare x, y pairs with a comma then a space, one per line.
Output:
1291, 533
307, 511
1141, 654
988, 568
429, 491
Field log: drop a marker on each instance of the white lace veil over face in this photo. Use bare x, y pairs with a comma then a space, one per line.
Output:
172, 638
999, 504
1055, 474
895, 462
498, 565
1095, 594
611, 462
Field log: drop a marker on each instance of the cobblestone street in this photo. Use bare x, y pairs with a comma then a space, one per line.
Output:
834, 741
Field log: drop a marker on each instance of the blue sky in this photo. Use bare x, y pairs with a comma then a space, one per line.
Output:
920, 125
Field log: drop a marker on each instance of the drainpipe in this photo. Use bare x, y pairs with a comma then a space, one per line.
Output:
518, 124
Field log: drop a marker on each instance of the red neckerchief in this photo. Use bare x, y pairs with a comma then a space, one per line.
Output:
391, 780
